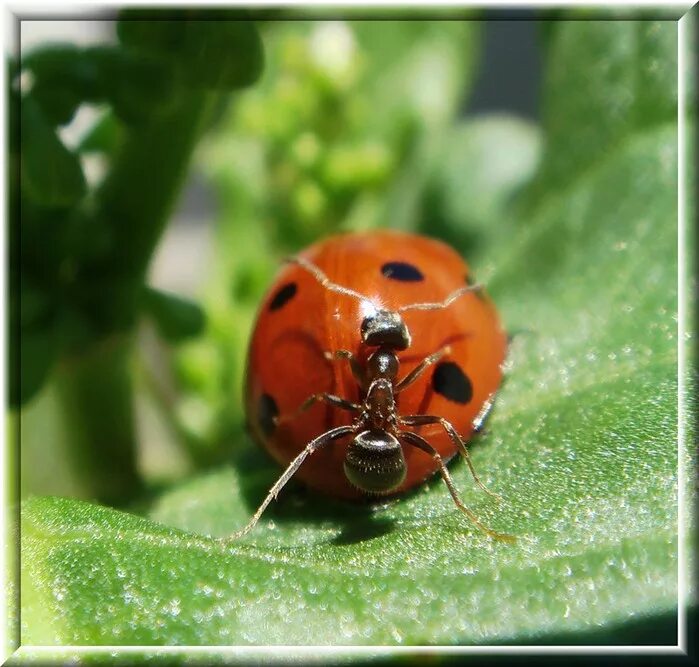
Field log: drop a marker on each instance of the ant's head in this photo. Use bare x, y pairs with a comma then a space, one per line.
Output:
385, 328
381, 328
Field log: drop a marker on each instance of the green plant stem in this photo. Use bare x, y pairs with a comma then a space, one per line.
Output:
136, 201
165, 402
95, 390
138, 195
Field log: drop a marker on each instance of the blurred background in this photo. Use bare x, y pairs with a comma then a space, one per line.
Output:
138, 291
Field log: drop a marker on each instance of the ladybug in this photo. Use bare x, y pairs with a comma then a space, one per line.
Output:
374, 358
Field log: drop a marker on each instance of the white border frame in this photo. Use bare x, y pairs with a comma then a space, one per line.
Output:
290, 653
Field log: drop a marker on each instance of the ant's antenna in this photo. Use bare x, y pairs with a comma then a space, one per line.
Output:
437, 305
324, 280
329, 284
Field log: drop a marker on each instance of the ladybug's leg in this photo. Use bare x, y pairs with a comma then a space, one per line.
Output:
419, 442
357, 369
482, 415
423, 420
421, 368
315, 444
330, 399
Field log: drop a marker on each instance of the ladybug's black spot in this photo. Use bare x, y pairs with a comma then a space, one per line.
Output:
452, 383
283, 295
402, 271
267, 413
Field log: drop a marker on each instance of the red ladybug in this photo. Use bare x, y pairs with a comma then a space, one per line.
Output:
373, 360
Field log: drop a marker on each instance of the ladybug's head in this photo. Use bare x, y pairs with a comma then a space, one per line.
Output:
385, 328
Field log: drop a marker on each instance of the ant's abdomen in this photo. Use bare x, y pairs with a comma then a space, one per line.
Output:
375, 462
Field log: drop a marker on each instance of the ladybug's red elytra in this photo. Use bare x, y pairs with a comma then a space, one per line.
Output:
375, 357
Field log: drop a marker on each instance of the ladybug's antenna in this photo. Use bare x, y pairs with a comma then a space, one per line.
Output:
438, 305
324, 280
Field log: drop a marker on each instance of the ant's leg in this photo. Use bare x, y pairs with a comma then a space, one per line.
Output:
312, 446
421, 368
419, 442
356, 367
424, 420
330, 399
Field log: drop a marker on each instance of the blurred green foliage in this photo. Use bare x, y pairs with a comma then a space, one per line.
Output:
82, 241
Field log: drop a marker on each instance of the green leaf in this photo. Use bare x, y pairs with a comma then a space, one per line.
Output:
213, 50
485, 161
104, 137
58, 102
65, 63
31, 362
582, 446
35, 307
138, 86
64, 76
606, 80
50, 174
176, 318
